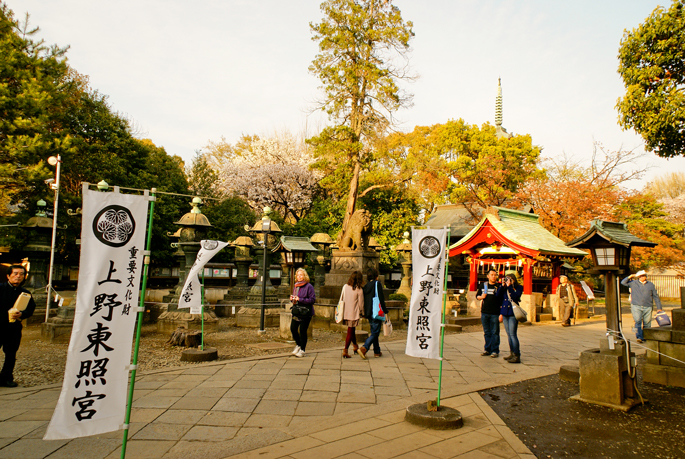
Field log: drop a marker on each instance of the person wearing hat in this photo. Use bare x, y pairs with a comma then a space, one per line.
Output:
642, 297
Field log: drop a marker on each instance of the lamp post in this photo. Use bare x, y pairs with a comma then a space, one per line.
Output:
266, 229
53, 161
607, 375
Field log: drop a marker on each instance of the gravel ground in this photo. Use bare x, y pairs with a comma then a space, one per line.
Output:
552, 426
41, 363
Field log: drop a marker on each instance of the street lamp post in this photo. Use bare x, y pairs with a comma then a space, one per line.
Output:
266, 229
53, 161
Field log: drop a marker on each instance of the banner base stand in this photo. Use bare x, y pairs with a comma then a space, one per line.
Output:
199, 355
444, 418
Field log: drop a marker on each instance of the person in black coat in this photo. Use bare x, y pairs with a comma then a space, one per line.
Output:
10, 332
369, 293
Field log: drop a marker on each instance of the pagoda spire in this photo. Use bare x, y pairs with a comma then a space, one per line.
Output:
498, 104
501, 132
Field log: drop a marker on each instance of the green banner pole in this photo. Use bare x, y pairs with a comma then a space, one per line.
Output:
444, 305
134, 364
202, 312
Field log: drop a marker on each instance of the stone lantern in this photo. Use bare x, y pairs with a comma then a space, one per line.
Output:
236, 296
607, 374
293, 252
404, 252
194, 225
249, 314
322, 241
39, 229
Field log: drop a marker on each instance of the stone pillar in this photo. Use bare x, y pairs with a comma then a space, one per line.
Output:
405, 284
250, 314
284, 290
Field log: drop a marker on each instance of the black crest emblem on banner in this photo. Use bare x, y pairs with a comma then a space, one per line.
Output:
429, 247
114, 226
210, 245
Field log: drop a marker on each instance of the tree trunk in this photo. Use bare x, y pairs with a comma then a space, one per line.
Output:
185, 337
352, 196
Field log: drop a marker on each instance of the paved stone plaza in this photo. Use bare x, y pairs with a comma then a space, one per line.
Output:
319, 406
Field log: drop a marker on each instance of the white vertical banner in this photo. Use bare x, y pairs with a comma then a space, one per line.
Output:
425, 310
190, 295
93, 398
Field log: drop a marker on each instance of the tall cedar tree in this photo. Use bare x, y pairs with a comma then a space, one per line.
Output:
363, 46
33, 89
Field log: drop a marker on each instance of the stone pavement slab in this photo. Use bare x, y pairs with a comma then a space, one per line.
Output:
279, 406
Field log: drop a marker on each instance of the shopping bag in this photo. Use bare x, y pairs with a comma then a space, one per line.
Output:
662, 319
387, 328
378, 313
340, 308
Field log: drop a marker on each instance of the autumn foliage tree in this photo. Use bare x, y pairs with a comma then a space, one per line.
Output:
570, 195
458, 162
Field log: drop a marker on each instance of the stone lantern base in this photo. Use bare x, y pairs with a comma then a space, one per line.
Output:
169, 321
58, 329
605, 378
250, 317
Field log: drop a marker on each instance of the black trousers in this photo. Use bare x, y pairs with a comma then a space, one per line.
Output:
299, 330
9, 341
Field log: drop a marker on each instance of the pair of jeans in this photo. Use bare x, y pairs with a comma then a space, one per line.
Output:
491, 330
299, 330
642, 315
511, 325
376, 326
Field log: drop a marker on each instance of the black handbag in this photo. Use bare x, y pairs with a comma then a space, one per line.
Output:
300, 311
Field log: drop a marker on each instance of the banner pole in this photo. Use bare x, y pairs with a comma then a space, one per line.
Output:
141, 309
202, 311
444, 305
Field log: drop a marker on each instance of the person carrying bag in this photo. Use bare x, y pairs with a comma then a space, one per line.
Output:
373, 296
510, 318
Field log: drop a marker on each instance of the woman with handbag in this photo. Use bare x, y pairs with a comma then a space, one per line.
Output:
373, 289
353, 299
303, 299
512, 292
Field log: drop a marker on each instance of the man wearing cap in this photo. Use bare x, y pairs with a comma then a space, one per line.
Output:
642, 296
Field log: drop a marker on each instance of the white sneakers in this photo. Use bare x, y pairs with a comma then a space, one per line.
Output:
300, 353
296, 350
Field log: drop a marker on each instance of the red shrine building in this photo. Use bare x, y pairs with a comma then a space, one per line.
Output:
514, 241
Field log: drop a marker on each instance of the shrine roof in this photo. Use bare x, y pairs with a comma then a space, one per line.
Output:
453, 215
522, 229
295, 244
613, 232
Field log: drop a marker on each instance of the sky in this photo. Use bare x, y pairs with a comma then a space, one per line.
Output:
188, 73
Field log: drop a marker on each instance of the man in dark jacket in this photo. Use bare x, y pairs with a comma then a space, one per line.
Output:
10, 332
369, 293
492, 296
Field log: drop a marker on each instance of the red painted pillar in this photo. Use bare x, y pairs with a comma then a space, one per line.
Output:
473, 275
528, 277
555, 278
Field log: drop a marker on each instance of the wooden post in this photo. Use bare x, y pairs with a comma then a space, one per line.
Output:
473, 275
528, 277
555, 278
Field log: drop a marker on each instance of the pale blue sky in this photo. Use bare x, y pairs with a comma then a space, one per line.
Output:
191, 72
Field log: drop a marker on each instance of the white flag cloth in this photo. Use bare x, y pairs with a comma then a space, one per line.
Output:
93, 398
190, 295
425, 311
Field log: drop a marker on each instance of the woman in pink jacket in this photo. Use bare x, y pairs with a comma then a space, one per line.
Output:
353, 296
